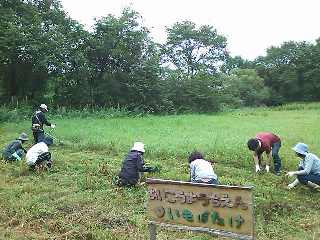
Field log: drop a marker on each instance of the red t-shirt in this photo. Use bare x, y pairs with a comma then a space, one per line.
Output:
267, 140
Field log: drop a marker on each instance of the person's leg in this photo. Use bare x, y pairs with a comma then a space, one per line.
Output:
35, 136
276, 158
41, 136
44, 157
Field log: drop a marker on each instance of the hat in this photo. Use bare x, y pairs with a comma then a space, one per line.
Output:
138, 146
43, 106
301, 148
23, 137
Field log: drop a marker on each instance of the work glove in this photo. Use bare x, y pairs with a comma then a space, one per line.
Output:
267, 168
16, 156
53, 126
258, 168
290, 174
290, 186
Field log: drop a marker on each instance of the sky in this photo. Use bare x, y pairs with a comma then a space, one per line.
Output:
251, 26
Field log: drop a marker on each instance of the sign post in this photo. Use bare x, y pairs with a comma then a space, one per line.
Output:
218, 210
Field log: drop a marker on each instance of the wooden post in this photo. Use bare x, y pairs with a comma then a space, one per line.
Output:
152, 231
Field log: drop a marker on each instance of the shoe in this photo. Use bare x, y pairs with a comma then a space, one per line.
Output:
277, 173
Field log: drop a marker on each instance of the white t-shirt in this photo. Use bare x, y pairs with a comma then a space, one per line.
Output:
34, 152
202, 170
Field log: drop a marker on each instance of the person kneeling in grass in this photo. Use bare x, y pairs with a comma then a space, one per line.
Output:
38, 156
14, 150
201, 171
309, 168
133, 165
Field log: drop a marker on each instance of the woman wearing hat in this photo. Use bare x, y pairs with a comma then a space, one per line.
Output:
14, 150
309, 168
132, 165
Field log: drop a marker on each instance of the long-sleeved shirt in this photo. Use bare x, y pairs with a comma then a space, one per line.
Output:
40, 118
34, 152
310, 165
131, 166
11, 148
201, 170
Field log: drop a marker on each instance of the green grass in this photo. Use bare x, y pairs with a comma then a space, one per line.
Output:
77, 200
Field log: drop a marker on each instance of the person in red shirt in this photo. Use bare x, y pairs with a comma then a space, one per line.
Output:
269, 143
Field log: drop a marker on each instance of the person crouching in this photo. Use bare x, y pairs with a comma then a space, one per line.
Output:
201, 171
14, 150
38, 156
309, 168
133, 165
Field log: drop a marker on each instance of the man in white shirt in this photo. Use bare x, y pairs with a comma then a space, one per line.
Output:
38, 155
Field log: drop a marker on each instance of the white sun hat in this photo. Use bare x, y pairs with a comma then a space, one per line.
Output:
43, 106
138, 146
301, 148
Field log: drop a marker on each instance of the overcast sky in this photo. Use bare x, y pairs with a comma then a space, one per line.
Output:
251, 26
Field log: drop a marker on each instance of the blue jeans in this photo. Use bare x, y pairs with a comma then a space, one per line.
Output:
38, 136
275, 155
303, 179
212, 181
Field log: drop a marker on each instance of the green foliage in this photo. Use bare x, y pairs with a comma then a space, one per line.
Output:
192, 50
243, 87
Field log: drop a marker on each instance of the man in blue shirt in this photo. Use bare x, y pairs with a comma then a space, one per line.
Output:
309, 168
14, 150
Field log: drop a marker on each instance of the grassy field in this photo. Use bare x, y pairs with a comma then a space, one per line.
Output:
77, 200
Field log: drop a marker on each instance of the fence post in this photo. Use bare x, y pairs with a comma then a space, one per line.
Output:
153, 231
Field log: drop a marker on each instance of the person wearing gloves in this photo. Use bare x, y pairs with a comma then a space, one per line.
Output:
133, 165
269, 143
309, 168
38, 120
201, 171
14, 150
38, 155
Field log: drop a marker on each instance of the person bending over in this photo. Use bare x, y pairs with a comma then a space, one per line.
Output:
14, 150
38, 156
309, 168
269, 143
201, 171
133, 165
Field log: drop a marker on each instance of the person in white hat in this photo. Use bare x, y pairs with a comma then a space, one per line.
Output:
38, 120
132, 165
14, 150
309, 168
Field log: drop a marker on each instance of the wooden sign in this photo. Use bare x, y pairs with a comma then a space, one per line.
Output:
219, 209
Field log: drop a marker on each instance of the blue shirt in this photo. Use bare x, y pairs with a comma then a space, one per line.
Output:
310, 164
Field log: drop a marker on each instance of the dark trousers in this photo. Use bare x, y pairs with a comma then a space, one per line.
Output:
275, 155
38, 136
303, 179
43, 159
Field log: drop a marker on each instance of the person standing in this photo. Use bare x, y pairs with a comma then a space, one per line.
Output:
309, 168
133, 165
38, 120
201, 171
14, 150
270, 144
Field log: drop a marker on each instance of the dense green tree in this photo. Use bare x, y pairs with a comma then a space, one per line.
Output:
126, 62
243, 87
192, 50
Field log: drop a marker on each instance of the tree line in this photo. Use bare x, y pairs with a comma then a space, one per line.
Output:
47, 56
